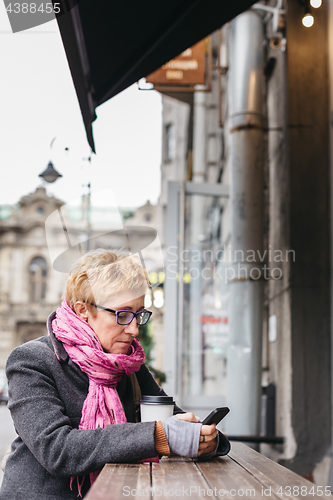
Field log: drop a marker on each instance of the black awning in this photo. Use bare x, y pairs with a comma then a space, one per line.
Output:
112, 44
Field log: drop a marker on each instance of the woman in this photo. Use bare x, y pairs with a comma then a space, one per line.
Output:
71, 393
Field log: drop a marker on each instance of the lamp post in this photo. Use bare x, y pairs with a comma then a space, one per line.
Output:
86, 206
50, 174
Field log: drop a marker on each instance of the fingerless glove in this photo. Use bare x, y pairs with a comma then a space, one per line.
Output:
183, 437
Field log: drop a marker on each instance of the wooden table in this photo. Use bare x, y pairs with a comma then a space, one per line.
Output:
244, 473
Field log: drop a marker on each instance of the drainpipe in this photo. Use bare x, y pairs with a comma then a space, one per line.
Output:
246, 121
197, 229
199, 135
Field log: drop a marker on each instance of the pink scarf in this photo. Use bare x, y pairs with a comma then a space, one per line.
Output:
102, 406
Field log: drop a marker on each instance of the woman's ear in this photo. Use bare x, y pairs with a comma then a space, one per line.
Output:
81, 310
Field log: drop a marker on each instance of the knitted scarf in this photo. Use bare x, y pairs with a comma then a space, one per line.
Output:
102, 406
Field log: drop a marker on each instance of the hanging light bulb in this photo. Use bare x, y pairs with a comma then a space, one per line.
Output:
148, 301
308, 20
158, 298
316, 3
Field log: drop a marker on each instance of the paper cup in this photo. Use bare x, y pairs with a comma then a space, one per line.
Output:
156, 408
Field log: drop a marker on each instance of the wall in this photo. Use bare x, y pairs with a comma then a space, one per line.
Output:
277, 353
298, 219
303, 210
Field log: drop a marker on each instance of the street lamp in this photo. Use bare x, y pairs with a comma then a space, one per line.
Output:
50, 174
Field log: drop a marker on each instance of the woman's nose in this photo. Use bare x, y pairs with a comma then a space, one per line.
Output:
133, 328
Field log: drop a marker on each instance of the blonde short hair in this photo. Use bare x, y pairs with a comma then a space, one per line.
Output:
100, 274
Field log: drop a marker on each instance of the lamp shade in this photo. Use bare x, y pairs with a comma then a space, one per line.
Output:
50, 174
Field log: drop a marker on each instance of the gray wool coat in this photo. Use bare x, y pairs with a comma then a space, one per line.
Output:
46, 395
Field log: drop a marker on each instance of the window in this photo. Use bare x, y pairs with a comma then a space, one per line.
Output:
38, 276
170, 142
40, 210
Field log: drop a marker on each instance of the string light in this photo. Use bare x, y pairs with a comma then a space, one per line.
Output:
308, 20
316, 3
158, 298
148, 301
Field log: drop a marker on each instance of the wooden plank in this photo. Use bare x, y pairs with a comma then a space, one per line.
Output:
121, 481
243, 473
278, 479
177, 478
227, 479
175, 458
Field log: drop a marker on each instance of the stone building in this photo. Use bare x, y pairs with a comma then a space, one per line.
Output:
30, 287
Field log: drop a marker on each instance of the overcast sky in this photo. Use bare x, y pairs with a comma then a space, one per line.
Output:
38, 103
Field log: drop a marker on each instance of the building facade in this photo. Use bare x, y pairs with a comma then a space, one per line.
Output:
260, 316
32, 280
27, 297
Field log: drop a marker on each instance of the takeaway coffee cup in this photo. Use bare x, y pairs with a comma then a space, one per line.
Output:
156, 408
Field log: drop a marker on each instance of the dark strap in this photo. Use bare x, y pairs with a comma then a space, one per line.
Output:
136, 395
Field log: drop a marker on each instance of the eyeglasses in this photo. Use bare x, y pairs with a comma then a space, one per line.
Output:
124, 317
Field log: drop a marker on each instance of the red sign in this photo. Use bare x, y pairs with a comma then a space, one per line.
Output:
214, 319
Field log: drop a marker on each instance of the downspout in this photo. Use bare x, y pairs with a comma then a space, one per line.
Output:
246, 138
197, 229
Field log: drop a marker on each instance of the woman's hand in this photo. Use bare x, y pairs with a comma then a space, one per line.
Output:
207, 441
188, 417
208, 434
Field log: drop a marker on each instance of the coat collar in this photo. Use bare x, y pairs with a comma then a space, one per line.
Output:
59, 349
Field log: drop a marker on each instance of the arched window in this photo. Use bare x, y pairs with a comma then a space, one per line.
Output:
38, 276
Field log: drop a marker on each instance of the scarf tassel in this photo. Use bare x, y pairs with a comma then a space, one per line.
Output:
79, 485
93, 476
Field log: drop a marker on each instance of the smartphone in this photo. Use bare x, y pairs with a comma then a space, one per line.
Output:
216, 416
